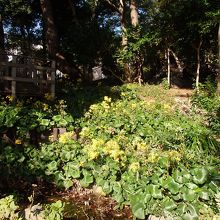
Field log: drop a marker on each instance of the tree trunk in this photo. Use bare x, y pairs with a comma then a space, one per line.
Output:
137, 72
178, 62
168, 68
218, 77
124, 41
198, 64
123, 24
134, 13
52, 41
50, 28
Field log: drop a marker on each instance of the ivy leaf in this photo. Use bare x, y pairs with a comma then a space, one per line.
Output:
169, 204
204, 195
45, 122
107, 187
74, 173
200, 175
191, 213
177, 197
117, 187
191, 186
181, 208
154, 191
87, 179
188, 216
52, 166
67, 183
72, 170
174, 187
118, 197
189, 195
138, 210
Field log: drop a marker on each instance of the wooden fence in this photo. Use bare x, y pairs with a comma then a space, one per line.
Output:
27, 76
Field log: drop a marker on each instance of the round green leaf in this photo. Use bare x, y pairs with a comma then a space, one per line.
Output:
200, 175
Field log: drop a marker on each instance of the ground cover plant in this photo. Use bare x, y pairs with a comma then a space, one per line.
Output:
135, 145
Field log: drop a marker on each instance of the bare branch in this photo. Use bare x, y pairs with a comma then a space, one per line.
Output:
112, 6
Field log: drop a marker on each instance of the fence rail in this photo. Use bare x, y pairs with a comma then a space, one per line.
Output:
27, 76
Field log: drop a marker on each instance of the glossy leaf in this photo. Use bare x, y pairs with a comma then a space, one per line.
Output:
174, 187
189, 195
169, 204
138, 210
200, 175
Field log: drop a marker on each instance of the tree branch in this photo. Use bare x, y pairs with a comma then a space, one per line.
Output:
112, 6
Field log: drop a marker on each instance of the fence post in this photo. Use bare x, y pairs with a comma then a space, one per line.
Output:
13, 74
53, 79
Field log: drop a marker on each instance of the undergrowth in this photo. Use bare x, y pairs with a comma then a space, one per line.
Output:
141, 151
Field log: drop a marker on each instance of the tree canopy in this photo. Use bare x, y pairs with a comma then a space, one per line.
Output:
130, 39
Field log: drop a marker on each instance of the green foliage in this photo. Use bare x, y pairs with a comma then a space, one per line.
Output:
208, 100
27, 116
54, 210
140, 152
8, 208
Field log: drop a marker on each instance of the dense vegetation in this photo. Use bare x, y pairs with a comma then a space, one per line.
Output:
126, 136
135, 144
133, 41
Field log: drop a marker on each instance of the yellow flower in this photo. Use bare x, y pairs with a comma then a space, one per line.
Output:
153, 157
134, 166
174, 155
85, 132
10, 98
92, 155
133, 105
66, 137
45, 106
107, 99
112, 149
17, 141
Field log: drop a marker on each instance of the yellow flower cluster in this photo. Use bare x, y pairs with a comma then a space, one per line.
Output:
112, 149
93, 150
98, 146
10, 98
153, 157
174, 155
134, 167
107, 99
66, 137
85, 132
18, 141
139, 144
45, 106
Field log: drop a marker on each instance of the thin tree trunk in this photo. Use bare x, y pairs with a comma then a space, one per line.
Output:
218, 77
168, 68
178, 62
134, 13
123, 24
124, 41
137, 73
198, 64
52, 41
